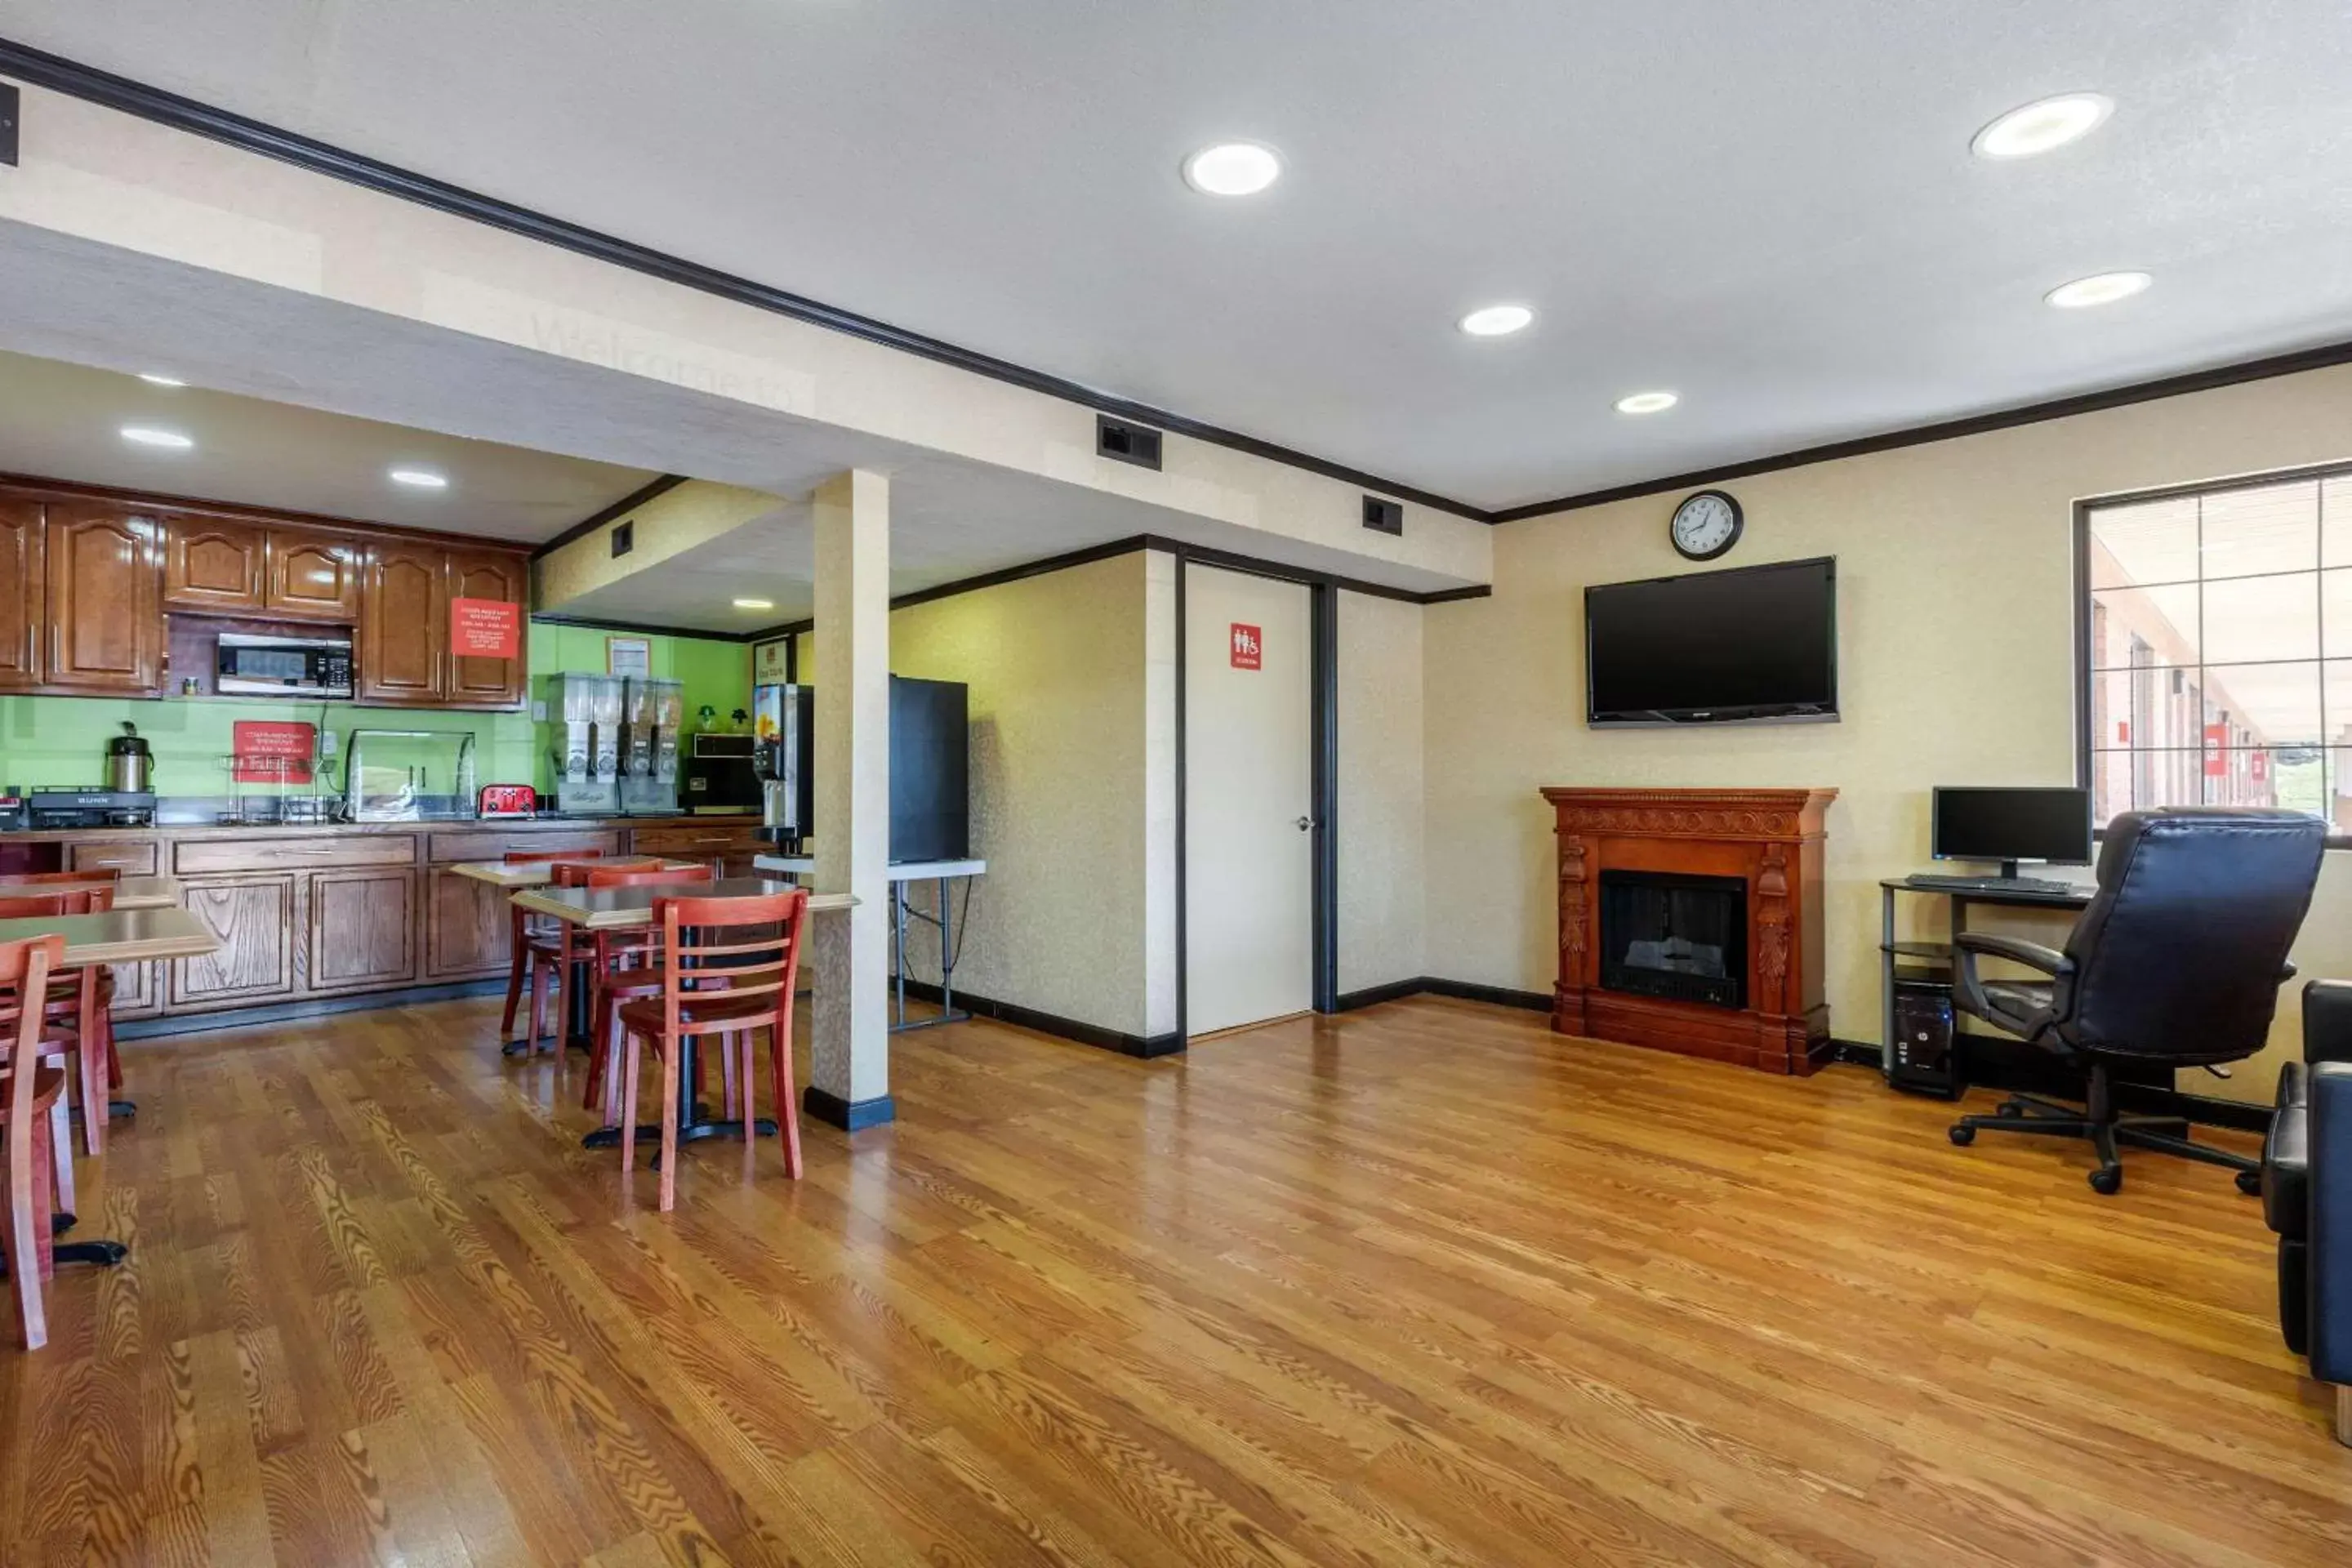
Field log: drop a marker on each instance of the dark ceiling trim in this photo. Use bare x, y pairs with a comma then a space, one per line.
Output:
120, 93
613, 513
643, 628
2294, 364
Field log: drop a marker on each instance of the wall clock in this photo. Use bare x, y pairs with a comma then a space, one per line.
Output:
1706, 525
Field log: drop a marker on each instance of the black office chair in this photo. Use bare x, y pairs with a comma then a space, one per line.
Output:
2176, 962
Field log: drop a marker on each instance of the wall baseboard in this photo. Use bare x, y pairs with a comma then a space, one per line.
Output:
317, 1008
1431, 985
849, 1115
1144, 1047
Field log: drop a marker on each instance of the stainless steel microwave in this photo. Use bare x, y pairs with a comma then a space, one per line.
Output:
251, 666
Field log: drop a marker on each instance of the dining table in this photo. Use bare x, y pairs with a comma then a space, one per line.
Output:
517, 875
130, 892
628, 909
121, 935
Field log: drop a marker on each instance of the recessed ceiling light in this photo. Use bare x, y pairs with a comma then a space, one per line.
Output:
1232, 168
419, 479
2039, 127
1496, 321
755, 604
152, 379
2100, 288
147, 436
1647, 401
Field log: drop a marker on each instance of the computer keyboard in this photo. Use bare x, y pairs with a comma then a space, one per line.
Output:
1936, 884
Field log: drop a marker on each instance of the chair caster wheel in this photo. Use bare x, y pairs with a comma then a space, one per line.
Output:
2250, 1183
2008, 1111
1963, 1134
2108, 1180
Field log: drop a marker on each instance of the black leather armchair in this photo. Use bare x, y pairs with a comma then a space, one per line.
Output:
2308, 1193
2176, 962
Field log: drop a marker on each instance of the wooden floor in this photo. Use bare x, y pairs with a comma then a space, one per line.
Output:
1423, 1285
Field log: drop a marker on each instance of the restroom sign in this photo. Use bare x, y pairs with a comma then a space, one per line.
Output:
1248, 647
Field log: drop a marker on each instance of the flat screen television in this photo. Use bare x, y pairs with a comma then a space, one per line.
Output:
1755, 644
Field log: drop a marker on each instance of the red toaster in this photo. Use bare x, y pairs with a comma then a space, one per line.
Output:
507, 800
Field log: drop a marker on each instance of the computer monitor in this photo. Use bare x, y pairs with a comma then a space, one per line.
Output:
2012, 824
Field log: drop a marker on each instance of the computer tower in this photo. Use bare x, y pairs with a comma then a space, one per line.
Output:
1925, 1056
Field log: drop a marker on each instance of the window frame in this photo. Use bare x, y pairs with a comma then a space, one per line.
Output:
2083, 507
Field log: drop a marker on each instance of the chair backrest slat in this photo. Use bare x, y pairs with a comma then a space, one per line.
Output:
25, 967
58, 901
541, 857
699, 929
582, 873
650, 876
103, 876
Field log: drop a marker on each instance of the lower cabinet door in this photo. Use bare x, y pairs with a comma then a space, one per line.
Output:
138, 991
468, 927
363, 929
253, 917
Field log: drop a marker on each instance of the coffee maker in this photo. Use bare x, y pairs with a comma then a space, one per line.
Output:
783, 731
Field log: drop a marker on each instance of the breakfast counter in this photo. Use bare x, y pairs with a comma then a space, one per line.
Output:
316, 913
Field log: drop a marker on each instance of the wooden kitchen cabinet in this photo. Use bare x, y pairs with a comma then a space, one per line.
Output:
312, 577
468, 927
363, 929
485, 574
403, 636
252, 916
105, 614
214, 566
138, 990
24, 585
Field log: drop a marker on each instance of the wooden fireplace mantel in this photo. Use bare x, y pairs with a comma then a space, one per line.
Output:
1771, 838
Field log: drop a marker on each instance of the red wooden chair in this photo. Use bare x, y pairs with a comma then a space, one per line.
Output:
729, 967
552, 956
18, 884
29, 1091
523, 929
613, 977
79, 999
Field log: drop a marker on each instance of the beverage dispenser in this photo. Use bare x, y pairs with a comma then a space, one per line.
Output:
587, 710
653, 712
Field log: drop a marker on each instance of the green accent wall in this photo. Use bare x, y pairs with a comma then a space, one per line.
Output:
62, 740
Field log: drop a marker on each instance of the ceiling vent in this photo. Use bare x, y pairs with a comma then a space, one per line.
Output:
1384, 516
1125, 443
10, 100
624, 537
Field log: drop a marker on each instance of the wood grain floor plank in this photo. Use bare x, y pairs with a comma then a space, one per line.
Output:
1421, 1284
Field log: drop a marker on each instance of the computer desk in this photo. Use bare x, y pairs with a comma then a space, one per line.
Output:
1891, 952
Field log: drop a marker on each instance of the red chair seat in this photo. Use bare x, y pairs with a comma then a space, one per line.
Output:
648, 1016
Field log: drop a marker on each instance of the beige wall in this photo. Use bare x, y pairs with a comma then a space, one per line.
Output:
1061, 808
1380, 794
1956, 624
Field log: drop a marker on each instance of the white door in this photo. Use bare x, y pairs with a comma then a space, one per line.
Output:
1249, 886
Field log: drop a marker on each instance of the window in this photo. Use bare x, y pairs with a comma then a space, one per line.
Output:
2217, 635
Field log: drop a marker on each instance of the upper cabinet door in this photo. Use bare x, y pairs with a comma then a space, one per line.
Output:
23, 587
488, 682
313, 577
105, 610
404, 624
211, 565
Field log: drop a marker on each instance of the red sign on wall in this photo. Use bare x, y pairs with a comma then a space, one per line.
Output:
485, 628
1248, 647
269, 751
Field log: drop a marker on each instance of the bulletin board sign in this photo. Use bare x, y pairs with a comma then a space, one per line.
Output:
629, 656
772, 662
272, 752
485, 628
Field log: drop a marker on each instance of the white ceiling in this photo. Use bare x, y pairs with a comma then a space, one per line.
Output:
60, 421
1771, 209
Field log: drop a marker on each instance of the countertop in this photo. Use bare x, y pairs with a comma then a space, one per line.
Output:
201, 830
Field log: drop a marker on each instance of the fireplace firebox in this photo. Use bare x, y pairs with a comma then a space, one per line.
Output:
1683, 938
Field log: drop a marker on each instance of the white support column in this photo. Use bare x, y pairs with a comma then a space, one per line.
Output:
850, 1085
